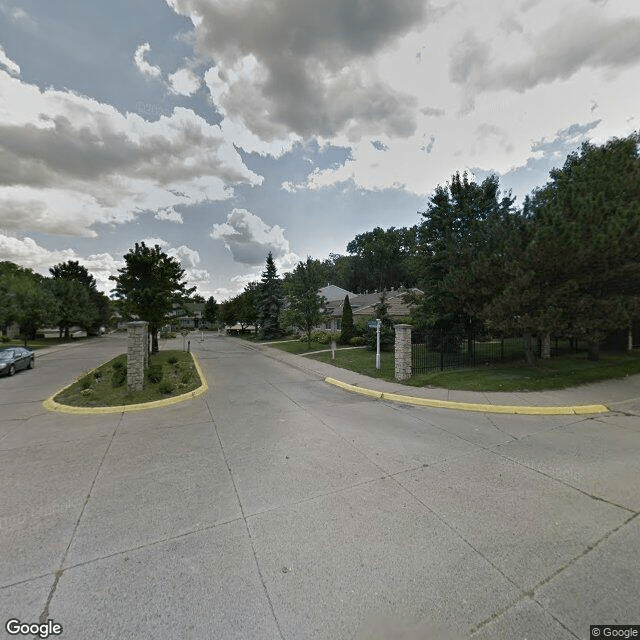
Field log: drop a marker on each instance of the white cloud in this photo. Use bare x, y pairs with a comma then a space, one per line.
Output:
152, 242
12, 67
249, 239
170, 215
144, 67
26, 252
184, 82
68, 162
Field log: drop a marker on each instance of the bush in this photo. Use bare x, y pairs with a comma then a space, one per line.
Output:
154, 373
186, 377
357, 341
172, 360
118, 377
165, 387
6, 339
166, 335
321, 337
119, 364
86, 382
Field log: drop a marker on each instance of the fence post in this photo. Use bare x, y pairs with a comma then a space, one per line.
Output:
137, 354
402, 351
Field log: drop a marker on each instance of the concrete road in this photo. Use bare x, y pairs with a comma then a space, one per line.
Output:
277, 506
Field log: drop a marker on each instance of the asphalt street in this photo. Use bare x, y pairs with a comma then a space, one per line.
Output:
276, 506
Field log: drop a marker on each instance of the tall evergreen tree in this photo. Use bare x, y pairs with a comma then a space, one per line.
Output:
270, 301
348, 329
210, 311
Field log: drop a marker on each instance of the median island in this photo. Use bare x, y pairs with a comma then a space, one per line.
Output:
170, 375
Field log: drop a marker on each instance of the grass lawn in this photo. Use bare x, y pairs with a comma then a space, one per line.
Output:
102, 388
42, 343
556, 373
360, 360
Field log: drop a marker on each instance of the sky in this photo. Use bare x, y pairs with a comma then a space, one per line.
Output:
225, 129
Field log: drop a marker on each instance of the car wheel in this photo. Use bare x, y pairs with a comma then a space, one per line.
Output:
30, 365
12, 369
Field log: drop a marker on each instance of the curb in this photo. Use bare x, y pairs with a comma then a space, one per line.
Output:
51, 405
470, 406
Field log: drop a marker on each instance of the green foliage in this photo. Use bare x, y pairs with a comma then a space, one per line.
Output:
357, 341
348, 328
118, 377
387, 332
304, 304
166, 387
154, 373
321, 336
148, 286
210, 311
172, 360
6, 339
575, 268
186, 377
270, 298
86, 381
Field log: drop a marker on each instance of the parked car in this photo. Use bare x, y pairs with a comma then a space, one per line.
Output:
15, 358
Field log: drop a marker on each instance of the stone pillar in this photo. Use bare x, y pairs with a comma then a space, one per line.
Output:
137, 354
403, 351
545, 352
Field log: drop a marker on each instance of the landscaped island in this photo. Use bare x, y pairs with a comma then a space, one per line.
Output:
170, 374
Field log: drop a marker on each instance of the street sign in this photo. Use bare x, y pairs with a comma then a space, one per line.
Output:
372, 324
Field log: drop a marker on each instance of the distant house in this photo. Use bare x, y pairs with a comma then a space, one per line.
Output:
187, 315
362, 305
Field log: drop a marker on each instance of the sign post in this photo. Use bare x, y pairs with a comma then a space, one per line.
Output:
376, 325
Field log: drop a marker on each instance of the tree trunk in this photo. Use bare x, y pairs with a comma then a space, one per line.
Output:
154, 341
593, 352
66, 333
529, 354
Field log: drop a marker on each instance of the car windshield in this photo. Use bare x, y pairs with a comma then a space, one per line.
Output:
6, 355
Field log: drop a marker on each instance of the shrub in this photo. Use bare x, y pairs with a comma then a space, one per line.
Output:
97, 376
166, 335
186, 377
154, 373
172, 360
165, 387
357, 341
118, 377
6, 339
119, 364
321, 337
86, 382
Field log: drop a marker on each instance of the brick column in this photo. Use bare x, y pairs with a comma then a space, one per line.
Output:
137, 354
403, 351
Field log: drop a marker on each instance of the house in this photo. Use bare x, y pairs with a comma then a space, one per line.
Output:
362, 305
187, 315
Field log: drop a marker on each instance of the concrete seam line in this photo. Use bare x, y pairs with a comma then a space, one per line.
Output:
471, 406
51, 405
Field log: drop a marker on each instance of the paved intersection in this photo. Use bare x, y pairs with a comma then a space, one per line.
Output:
277, 506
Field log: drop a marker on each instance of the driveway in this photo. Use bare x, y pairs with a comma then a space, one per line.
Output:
277, 506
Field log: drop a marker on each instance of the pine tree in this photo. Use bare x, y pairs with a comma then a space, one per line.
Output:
270, 301
348, 330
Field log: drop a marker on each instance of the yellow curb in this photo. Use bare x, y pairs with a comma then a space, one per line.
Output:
471, 406
51, 405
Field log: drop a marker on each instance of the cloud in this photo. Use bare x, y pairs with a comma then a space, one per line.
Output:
12, 67
581, 40
305, 66
69, 162
379, 145
144, 67
28, 253
170, 215
249, 239
432, 111
184, 82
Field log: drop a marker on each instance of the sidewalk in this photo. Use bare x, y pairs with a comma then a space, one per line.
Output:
621, 394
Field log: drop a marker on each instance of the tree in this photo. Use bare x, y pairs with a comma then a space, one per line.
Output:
92, 315
247, 305
387, 332
270, 301
304, 304
210, 311
74, 304
578, 274
348, 329
148, 286
458, 224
